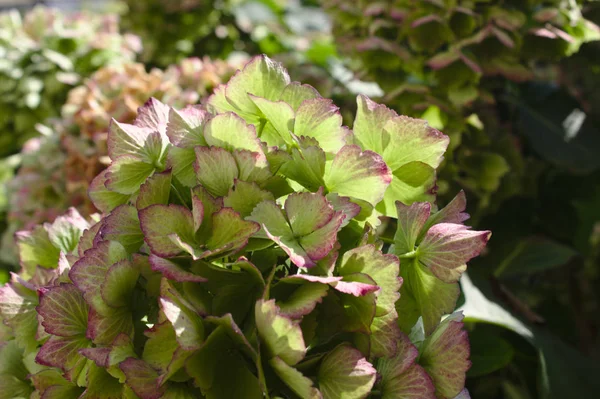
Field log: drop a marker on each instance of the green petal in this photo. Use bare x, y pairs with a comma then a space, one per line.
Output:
345, 373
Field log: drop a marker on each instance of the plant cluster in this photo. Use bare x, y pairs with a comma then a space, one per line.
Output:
452, 62
43, 55
56, 169
252, 247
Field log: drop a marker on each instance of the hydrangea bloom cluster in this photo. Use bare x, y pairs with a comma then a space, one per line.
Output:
253, 247
56, 170
43, 56
448, 62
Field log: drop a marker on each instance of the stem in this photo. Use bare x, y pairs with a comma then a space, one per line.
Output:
409, 255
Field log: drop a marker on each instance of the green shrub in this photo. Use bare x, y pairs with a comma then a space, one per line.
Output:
254, 247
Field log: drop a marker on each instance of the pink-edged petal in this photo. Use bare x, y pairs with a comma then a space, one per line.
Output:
125, 139
307, 212
412, 384
448, 246
63, 353
295, 94
123, 225
230, 231
358, 174
153, 115
155, 190
186, 127
63, 310
345, 371
89, 272
142, 378
445, 356
158, 222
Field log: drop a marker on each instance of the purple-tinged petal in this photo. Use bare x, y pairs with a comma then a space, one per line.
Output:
186, 127
445, 356
412, 384
230, 230
102, 329
345, 371
125, 139
99, 355
122, 225
142, 378
427, 19
153, 115
89, 272
447, 247
63, 352
303, 300
307, 212
158, 222
358, 174
63, 310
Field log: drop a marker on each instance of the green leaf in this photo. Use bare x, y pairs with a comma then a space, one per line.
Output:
215, 169
294, 379
280, 116
281, 335
345, 374
295, 94
103, 198
411, 220
230, 132
119, 283
412, 182
189, 330
534, 255
357, 174
399, 139
423, 294
260, 77
36, 249
217, 364
320, 119
65, 231
181, 161
306, 166
127, 173
489, 353
155, 190
243, 197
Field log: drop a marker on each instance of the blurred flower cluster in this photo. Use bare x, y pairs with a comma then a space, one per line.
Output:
42, 56
58, 167
454, 63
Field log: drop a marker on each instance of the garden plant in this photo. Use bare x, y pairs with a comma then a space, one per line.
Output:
252, 247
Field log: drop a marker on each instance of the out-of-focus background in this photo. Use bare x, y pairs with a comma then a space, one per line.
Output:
514, 83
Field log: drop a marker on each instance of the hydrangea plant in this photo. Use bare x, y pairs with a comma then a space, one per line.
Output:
56, 169
253, 247
44, 54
